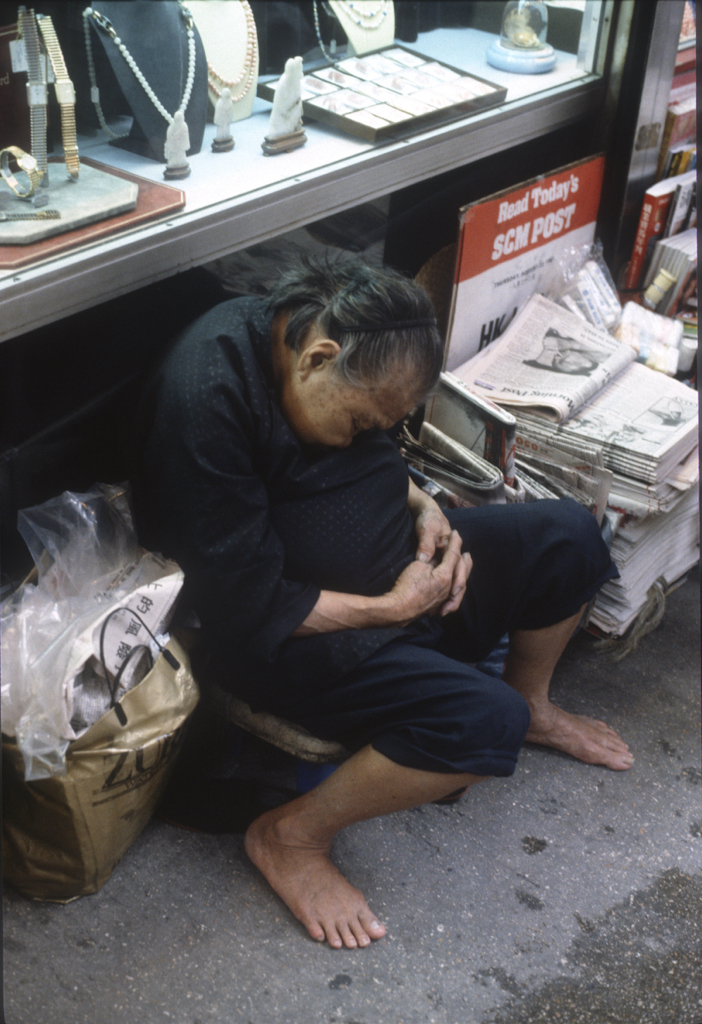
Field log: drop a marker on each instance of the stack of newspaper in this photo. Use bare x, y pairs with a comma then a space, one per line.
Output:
656, 550
593, 423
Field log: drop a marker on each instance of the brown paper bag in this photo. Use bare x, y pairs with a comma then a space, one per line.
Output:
64, 836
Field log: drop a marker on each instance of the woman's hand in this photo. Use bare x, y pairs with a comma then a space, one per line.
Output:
433, 535
428, 588
431, 525
434, 583
422, 589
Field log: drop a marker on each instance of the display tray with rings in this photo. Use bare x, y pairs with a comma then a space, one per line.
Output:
389, 92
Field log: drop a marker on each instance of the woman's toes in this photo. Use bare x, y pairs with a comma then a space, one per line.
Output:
334, 939
359, 933
371, 926
348, 937
316, 931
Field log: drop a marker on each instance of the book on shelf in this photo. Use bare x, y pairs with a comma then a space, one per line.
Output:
652, 219
681, 205
677, 256
680, 124
680, 158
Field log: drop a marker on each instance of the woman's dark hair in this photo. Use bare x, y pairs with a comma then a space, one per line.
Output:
342, 296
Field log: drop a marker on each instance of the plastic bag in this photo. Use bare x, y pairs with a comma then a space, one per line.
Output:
656, 339
584, 285
91, 573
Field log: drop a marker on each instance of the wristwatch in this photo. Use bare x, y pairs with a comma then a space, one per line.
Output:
26, 163
65, 94
36, 87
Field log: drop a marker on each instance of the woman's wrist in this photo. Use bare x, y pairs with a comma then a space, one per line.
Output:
419, 501
334, 612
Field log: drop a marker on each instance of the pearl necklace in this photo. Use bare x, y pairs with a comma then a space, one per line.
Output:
217, 83
330, 56
364, 17
107, 26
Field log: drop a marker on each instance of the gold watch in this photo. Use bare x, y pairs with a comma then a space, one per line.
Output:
36, 88
65, 94
26, 163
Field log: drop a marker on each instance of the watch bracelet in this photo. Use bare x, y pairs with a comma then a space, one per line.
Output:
67, 103
37, 215
37, 113
70, 142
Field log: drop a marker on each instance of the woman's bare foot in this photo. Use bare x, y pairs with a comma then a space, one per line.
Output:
587, 739
307, 881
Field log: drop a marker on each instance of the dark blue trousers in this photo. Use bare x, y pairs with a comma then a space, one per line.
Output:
420, 700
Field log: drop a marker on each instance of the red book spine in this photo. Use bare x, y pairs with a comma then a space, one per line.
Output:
651, 223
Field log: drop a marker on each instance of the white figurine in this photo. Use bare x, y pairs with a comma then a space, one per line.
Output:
177, 144
223, 117
286, 115
285, 130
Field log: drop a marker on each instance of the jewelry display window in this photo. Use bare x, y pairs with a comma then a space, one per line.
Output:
389, 92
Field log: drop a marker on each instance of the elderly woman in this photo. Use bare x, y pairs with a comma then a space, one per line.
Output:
335, 593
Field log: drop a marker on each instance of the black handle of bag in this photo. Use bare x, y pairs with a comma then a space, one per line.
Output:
168, 656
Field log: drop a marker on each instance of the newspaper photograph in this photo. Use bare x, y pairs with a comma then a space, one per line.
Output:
548, 361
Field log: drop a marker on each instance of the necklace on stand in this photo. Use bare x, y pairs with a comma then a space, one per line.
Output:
363, 16
331, 57
216, 82
106, 25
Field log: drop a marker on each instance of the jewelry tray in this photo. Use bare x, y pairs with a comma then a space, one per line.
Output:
364, 105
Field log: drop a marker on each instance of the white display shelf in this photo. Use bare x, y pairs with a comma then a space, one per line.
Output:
236, 199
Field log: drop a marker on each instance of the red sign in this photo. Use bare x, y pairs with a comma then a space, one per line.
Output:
524, 218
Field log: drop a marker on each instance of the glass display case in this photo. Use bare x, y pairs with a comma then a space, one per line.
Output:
237, 198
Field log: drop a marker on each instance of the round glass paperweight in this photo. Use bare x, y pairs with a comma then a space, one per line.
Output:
522, 45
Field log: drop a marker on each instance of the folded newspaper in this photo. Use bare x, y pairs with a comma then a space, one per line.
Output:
475, 422
562, 472
454, 466
548, 361
645, 423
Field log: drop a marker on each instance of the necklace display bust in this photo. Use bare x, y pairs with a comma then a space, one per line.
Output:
228, 32
156, 37
368, 24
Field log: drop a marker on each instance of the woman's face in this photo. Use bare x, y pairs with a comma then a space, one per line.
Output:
325, 412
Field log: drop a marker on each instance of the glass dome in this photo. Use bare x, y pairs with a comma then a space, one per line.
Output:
524, 25
522, 46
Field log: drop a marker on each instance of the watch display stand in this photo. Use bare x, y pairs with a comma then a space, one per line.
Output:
154, 201
155, 35
95, 197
